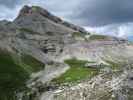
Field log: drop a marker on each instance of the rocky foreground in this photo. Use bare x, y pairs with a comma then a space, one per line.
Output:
46, 58
112, 83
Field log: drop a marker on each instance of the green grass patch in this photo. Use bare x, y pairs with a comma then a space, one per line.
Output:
28, 31
76, 72
14, 72
78, 34
12, 76
98, 37
35, 8
32, 62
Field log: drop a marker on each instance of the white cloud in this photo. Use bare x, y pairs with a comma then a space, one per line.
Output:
83, 12
120, 30
61, 8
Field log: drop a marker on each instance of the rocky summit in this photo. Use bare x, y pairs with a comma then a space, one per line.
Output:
43, 57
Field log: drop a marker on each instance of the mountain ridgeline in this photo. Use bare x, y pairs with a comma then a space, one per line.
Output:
26, 45
43, 57
38, 14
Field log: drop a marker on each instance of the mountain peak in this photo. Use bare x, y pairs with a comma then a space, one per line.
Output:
36, 10
27, 10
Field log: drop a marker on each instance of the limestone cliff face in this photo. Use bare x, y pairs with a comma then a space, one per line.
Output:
40, 29
38, 14
48, 40
32, 41
108, 85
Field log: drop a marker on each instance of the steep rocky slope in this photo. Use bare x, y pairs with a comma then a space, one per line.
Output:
112, 83
31, 41
37, 16
45, 58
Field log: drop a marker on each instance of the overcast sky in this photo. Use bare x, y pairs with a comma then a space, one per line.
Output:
81, 12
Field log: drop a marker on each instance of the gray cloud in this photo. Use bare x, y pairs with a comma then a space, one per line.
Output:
81, 12
102, 12
10, 3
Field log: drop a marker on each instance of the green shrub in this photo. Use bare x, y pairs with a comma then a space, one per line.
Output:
98, 37
76, 72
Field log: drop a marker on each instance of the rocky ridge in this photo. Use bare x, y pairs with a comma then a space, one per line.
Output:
34, 10
50, 40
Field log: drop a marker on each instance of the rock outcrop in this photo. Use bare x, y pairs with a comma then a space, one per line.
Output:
45, 16
36, 38
33, 40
